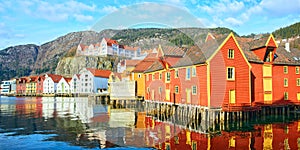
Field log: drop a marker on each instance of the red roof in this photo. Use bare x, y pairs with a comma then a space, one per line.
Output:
110, 41
68, 79
32, 78
144, 65
130, 48
55, 77
100, 73
78, 76
132, 62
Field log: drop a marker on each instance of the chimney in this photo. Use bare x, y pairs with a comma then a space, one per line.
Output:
287, 47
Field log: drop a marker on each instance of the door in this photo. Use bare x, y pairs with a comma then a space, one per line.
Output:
168, 94
188, 96
267, 89
232, 96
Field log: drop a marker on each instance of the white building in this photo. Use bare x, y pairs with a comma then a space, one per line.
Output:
108, 47
93, 80
8, 87
75, 84
63, 86
50, 83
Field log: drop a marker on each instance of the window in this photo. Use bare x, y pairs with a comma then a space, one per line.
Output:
298, 81
194, 90
188, 73
139, 75
285, 69
286, 95
297, 70
148, 89
230, 73
176, 89
153, 76
176, 73
285, 82
194, 71
147, 77
230, 54
168, 76
160, 76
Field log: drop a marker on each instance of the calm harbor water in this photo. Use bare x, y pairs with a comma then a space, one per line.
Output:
82, 123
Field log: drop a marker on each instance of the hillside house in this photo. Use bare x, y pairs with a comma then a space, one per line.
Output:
21, 85
108, 47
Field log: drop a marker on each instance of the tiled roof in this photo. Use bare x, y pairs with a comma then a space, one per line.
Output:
32, 79
99, 73
110, 41
78, 76
287, 58
194, 55
152, 55
258, 43
55, 77
68, 79
132, 62
131, 48
144, 64
157, 65
245, 44
173, 51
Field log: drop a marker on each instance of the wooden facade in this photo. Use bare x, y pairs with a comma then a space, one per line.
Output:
226, 72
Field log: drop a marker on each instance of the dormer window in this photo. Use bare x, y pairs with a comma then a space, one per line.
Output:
269, 55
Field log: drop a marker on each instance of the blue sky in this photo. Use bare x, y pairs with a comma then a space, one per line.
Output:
40, 21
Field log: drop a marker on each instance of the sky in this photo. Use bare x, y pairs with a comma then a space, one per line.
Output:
40, 21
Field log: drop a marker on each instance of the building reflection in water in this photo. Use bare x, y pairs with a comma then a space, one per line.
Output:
85, 122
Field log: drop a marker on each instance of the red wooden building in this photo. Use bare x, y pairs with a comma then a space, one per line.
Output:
214, 74
222, 74
21, 85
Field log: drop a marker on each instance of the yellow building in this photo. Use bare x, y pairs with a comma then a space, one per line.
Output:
137, 74
31, 85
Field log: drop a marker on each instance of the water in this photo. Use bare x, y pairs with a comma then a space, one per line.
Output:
82, 123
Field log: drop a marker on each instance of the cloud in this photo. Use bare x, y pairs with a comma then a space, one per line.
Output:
83, 18
57, 11
280, 7
109, 9
224, 6
233, 21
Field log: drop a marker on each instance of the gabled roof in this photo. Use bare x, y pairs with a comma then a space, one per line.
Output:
172, 51
110, 41
55, 77
193, 56
245, 46
287, 58
132, 62
144, 64
131, 48
157, 65
78, 76
32, 79
99, 73
67, 79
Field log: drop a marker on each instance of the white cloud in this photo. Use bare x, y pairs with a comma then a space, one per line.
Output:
83, 18
109, 9
57, 12
233, 21
281, 7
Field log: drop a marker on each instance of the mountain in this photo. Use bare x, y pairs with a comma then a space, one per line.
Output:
288, 32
